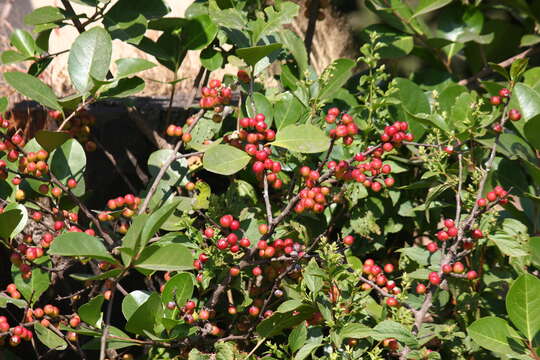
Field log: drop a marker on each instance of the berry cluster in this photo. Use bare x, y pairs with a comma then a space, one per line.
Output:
34, 163
215, 95
314, 198
124, 205
497, 194
269, 249
395, 134
18, 333
345, 127
368, 172
80, 128
503, 97
243, 76
375, 273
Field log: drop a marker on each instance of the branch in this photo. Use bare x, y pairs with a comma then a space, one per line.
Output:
73, 15
115, 164
506, 63
166, 165
150, 133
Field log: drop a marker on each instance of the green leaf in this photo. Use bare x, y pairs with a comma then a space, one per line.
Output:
304, 138
262, 106
529, 40
518, 68
80, 244
198, 33
5, 299
123, 88
24, 42
50, 140
413, 101
426, 6
12, 220
297, 337
32, 288
3, 104
225, 159
296, 47
211, 59
508, 245
232, 18
145, 316
49, 338
132, 239
133, 301
90, 58
69, 162
334, 77
130, 66
528, 100
278, 322
44, 15
500, 70
495, 334
90, 277
10, 56
252, 55
389, 328
225, 351
179, 289
313, 276
274, 21
355, 331
396, 44
32, 88
177, 171
523, 304
534, 244
90, 312
531, 131
155, 220
171, 257
288, 111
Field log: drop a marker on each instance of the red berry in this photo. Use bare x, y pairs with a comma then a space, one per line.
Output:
452, 232
234, 271
263, 229
392, 302
420, 289
477, 234
495, 100
432, 247
481, 202
514, 115
348, 240
446, 268
434, 278
449, 223
471, 275
458, 268
244, 242
388, 268
442, 235
257, 271
504, 92
222, 244
209, 232
254, 311
226, 220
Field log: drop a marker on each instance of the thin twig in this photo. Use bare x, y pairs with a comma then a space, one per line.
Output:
116, 166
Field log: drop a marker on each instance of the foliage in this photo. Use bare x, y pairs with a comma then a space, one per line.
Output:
364, 215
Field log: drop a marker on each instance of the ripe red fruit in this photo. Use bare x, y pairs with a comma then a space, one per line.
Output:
257, 271
497, 128
449, 223
388, 268
481, 202
434, 278
491, 196
392, 302
244, 242
420, 289
235, 225
514, 115
471, 275
14, 340
458, 268
432, 247
222, 244
452, 232
376, 270
234, 271
209, 232
447, 268
504, 92
442, 235
495, 100
263, 229
226, 220
254, 311
477, 234
348, 240
190, 305
204, 314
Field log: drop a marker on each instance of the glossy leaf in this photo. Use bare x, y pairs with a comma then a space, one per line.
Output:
24, 42
145, 316
517, 68
49, 338
396, 44
297, 337
126, 67
80, 244
304, 138
278, 322
427, 6
252, 55
531, 131
389, 328
12, 220
133, 301
225, 159
179, 289
90, 312
334, 77
198, 33
295, 45
523, 305
275, 19
534, 244
528, 100
89, 58
172, 257
32, 88
50, 140
69, 162
132, 239
288, 111
32, 288
494, 334
211, 59
43, 15
155, 220
260, 105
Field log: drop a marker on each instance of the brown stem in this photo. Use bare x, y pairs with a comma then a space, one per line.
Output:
312, 23
116, 166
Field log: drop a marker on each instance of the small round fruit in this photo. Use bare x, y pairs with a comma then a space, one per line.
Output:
392, 302
514, 115
348, 240
234, 271
420, 289
254, 311
495, 100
